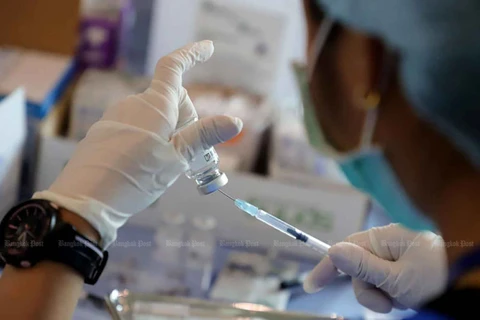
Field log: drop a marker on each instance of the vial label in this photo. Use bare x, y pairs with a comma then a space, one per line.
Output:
208, 156
203, 161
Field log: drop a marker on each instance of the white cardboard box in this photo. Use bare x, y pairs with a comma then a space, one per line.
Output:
12, 138
328, 211
95, 91
178, 22
294, 160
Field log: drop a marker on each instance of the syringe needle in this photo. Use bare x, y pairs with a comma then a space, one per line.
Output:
226, 194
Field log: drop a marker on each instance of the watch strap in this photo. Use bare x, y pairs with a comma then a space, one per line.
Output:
66, 245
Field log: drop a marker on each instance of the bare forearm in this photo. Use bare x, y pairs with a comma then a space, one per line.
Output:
48, 291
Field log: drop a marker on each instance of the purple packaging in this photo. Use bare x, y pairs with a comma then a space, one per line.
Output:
135, 35
99, 42
125, 37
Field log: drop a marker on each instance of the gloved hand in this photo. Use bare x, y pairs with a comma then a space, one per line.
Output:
129, 158
390, 266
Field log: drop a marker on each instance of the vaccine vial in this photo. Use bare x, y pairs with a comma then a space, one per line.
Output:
204, 170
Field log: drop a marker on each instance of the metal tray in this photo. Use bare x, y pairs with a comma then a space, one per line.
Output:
125, 305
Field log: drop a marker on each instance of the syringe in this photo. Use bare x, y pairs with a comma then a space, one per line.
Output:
280, 225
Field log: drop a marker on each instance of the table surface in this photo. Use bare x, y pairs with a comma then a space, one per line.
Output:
338, 298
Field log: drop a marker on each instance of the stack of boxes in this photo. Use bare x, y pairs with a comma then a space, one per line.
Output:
225, 85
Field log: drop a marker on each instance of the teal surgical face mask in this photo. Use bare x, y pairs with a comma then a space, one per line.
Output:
366, 167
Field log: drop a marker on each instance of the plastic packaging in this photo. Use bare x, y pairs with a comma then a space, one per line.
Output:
99, 33
200, 257
170, 251
97, 90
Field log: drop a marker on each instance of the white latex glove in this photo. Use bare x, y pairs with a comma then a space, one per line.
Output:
129, 158
390, 266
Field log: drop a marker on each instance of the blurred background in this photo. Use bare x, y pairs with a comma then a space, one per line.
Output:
62, 63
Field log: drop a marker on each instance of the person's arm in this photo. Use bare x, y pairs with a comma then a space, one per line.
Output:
50, 290
125, 163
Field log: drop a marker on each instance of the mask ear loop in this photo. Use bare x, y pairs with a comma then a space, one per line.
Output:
372, 102
320, 39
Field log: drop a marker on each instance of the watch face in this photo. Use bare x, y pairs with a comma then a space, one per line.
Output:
26, 228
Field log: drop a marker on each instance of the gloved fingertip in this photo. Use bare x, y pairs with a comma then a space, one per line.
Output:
239, 123
324, 273
377, 306
310, 286
373, 299
226, 127
398, 305
204, 49
339, 249
207, 42
344, 256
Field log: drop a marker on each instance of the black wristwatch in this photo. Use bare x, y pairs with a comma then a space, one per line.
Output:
34, 231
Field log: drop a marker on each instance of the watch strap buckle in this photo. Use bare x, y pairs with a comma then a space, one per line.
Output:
97, 272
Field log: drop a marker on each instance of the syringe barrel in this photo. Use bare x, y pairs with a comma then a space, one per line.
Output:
283, 227
317, 245
274, 222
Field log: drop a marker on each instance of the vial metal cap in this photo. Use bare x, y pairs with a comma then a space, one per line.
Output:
213, 185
